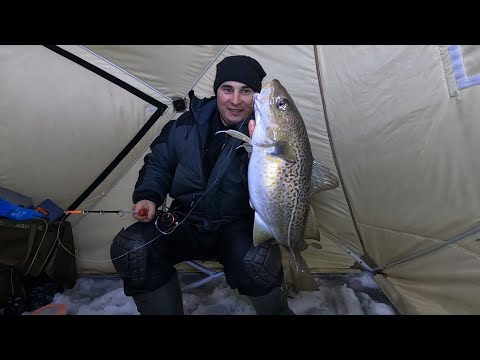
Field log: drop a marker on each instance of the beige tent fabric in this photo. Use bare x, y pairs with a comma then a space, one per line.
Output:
61, 124
407, 159
383, 118
444, 281
390, 120
171, 69
470, 55
108, 66
94, 233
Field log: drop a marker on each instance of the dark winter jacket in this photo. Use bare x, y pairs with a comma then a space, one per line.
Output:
176, 166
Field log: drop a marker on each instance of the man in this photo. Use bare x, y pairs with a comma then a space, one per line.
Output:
206, 175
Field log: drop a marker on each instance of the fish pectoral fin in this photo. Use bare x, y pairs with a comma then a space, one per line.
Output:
236, 134
284, 151
311, 227
247, 147
261, 232
251, 205
303, 245
322, 178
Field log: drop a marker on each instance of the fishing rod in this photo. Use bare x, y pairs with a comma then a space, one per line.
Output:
166, 218
141, 212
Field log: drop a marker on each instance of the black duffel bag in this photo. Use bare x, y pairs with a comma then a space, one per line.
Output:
32, 248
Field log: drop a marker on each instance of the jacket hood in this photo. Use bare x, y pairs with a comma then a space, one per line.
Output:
202, 109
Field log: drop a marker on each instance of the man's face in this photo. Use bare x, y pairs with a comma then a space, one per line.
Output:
234, 102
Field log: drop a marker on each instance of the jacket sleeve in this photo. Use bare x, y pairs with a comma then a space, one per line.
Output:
155, 177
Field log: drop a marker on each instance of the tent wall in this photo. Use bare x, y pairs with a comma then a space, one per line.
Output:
396, 123
61, 124
172, 70
405, 138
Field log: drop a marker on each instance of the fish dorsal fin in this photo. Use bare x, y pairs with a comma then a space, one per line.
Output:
311, 227
322, 178
261, 232
284, 151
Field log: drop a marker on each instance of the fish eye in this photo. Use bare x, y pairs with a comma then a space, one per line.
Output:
282, 104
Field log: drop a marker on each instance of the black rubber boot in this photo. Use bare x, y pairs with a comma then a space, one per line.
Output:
273, 303
166, 300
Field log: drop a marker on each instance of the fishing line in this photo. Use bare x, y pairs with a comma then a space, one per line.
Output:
167, 232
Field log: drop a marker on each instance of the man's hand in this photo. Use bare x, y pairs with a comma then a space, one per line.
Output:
148, 206
251, 127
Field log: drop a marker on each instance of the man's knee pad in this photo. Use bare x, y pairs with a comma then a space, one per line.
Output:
264, 264
129, 257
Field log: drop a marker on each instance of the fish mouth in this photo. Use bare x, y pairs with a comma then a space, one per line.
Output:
266, 91
262, 112
262, 102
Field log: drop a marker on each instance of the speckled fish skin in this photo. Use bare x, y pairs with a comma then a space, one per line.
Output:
279, 176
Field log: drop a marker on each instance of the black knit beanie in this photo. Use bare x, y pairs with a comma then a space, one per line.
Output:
239, 68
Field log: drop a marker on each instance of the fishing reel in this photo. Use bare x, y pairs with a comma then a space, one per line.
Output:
166, 218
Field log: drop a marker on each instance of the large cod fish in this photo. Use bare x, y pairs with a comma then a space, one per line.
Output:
282, 177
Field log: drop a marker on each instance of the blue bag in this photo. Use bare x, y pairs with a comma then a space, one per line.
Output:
13, 212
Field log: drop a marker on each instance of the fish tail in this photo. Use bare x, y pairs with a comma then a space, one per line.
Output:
300, 277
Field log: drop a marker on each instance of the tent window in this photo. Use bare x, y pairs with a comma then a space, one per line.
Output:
466, 69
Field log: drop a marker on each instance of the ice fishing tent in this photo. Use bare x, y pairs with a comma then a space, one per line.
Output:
398, 124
